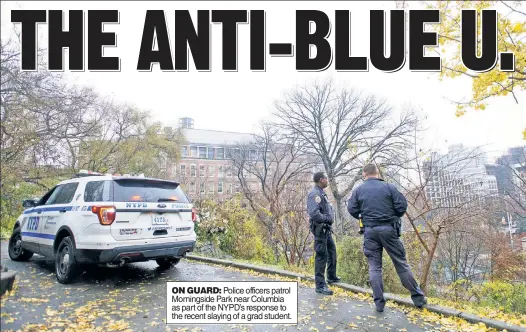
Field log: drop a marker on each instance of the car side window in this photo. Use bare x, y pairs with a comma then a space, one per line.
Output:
51, 199
46, 197
65, 195
97, 191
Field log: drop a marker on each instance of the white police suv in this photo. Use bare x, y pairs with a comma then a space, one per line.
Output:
106, 219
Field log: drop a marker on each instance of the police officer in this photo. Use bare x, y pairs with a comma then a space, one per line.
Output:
381, 206
321, 218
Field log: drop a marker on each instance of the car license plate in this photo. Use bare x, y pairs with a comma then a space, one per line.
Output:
159, 220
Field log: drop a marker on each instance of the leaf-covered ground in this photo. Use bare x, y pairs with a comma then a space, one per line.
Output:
133, 298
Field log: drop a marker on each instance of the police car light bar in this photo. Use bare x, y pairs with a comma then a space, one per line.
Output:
84, 172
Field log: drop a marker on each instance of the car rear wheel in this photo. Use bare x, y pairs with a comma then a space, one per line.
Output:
16, 252
66, 267
167, 263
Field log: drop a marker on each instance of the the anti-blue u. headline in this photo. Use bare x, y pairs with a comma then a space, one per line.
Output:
173, 54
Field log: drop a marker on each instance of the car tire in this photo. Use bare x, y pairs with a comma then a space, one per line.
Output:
167, 263
16, 252
66, 267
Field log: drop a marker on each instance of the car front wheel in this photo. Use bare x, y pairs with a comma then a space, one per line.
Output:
16, 252
66, 267
167, 263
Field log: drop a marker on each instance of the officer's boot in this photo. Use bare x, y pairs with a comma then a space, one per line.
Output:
333, 280
324, 290
422, 303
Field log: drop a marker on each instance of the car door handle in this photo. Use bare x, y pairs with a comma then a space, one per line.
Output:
63, 210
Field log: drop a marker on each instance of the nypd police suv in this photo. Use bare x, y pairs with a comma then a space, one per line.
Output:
106, 219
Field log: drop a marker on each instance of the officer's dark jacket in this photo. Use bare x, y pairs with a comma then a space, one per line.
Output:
319, 213
378, 202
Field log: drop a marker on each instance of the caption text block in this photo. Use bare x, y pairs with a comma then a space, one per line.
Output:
224, 302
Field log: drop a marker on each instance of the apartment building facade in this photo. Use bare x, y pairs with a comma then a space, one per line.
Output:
459, 176
206, 168
513, 172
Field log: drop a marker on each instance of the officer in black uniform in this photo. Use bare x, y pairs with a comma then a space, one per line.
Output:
321, 218
380, 206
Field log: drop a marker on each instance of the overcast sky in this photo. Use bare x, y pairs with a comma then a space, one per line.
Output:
237, 101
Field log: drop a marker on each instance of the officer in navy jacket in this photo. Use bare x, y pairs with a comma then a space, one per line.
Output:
321, 218
381, 206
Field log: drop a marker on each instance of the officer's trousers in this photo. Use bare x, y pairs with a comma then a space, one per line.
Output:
325, 249
375, 240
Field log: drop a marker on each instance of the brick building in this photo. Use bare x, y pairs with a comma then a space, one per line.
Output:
205, 169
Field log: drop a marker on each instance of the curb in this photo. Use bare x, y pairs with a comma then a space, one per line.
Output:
448, 312
7, 280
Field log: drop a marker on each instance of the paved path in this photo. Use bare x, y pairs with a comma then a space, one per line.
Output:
133, 298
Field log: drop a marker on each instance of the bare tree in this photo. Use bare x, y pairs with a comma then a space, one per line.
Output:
38, 111
274, 174
47, 122
462, 250
344, 129
125, 140
443, 192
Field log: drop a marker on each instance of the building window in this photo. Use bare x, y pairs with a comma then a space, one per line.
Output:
202, 171
202, 152
182, 173
238, 188
192, 187
220, 153
211, 153
229, 171
220, 172
229, 190
211, 171
192, 171
202, 187
220, 187
253, 155
193, 151
211, 188
184, 151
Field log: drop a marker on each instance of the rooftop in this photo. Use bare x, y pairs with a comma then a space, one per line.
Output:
204, 136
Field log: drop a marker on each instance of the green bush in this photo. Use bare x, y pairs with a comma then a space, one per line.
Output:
352, 264
508, 297
11, 204
234, 230
354, 269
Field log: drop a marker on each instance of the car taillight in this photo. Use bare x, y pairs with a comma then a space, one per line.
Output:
194, 215
106, 214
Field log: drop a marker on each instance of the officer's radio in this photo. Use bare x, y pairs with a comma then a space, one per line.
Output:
362, 229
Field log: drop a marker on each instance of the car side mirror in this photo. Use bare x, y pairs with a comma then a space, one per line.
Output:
29, 203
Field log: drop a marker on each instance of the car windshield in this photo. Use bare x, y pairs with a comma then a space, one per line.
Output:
133, 190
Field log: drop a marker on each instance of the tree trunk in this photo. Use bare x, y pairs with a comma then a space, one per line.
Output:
339, 214
427, 265
339, 204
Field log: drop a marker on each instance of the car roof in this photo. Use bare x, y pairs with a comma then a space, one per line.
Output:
117, 178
